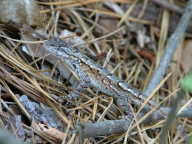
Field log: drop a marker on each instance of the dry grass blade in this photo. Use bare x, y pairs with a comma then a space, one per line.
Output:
112, 34
15, 99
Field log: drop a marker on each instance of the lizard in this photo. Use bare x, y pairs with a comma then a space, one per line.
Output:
91, 74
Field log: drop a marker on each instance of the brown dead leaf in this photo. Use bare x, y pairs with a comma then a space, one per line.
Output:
186, 55
108, 24
177, 57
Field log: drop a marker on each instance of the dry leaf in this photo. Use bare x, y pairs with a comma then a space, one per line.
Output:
186, 56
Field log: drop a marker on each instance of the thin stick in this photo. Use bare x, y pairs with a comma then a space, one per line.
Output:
173, 42
118, 126
170, 118
109, 127
168, 5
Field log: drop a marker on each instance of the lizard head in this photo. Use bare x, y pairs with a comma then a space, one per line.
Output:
58, 47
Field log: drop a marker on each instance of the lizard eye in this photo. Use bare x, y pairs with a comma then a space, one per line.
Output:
74, 66
52, 44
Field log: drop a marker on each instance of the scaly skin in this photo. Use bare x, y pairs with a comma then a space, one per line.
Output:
91, 74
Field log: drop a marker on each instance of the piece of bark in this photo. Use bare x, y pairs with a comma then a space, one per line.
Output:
107, 127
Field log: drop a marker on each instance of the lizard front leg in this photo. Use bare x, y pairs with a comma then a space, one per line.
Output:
124, 104
76, 92
83, 84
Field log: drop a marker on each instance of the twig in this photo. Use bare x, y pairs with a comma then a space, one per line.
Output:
162, 3
119, 126
168, 5
170, 119
109, 127
172, 44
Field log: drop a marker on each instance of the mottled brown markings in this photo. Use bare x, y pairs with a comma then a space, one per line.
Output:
98, 76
